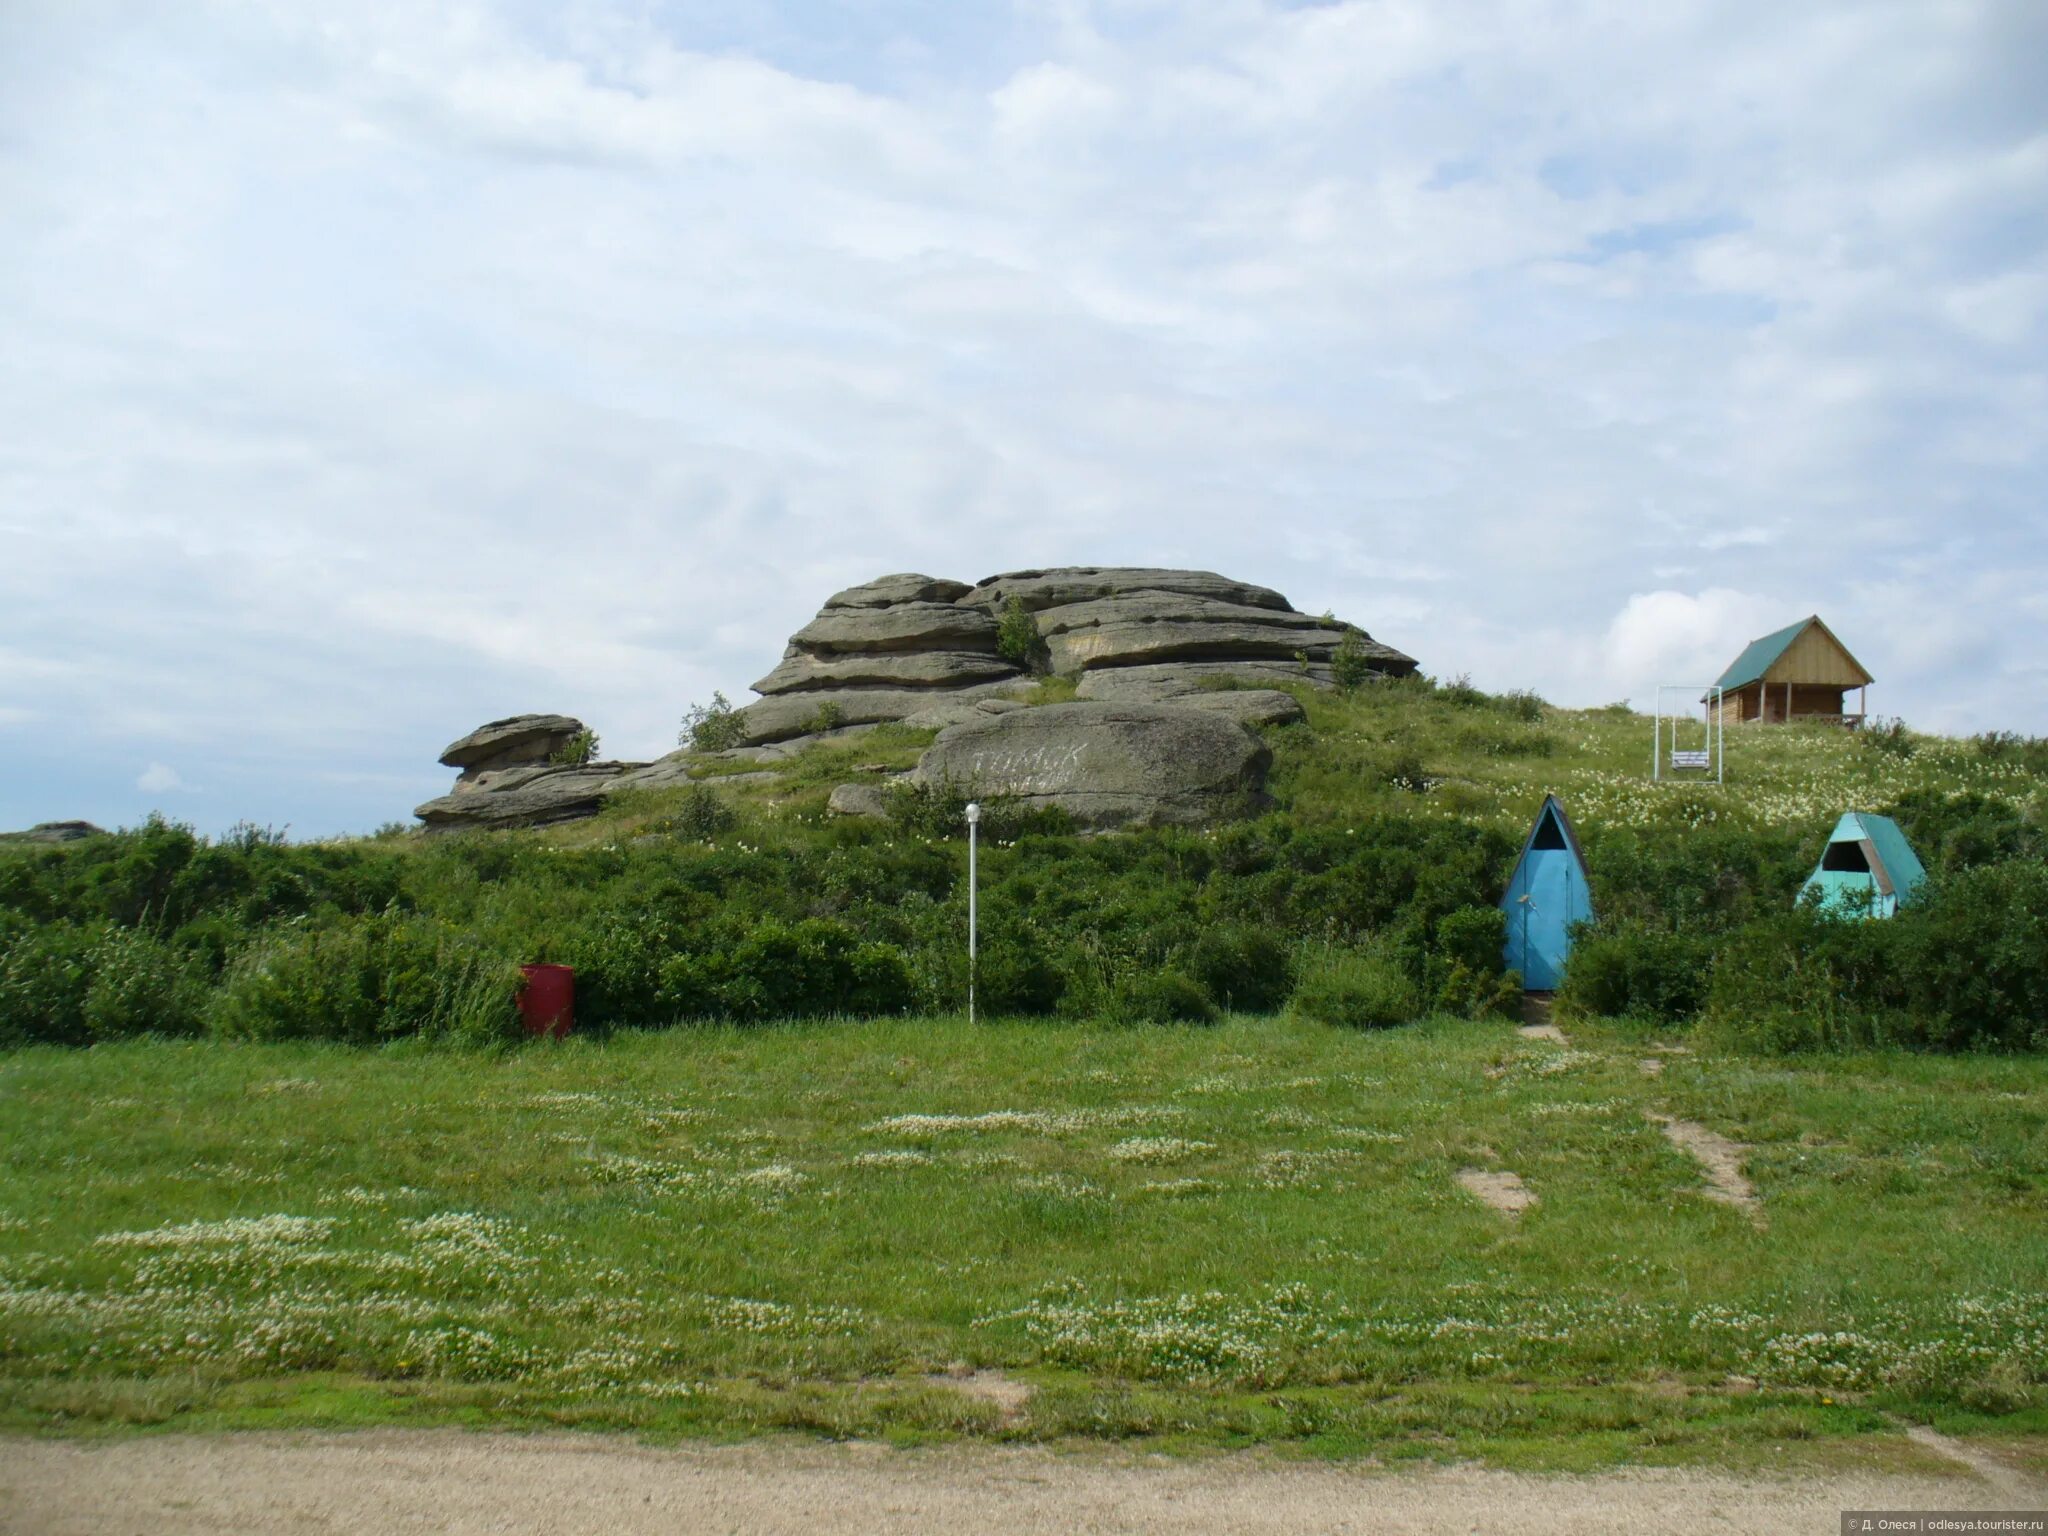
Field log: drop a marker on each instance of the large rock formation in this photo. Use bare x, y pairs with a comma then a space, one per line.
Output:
922, 650
1106, 765
1171, 668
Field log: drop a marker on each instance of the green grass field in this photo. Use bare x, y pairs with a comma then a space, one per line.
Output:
1186, 1237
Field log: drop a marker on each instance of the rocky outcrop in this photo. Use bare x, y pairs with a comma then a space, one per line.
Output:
1170, 668
871, 800
51, 832
922, 650
517, 741
1107, 765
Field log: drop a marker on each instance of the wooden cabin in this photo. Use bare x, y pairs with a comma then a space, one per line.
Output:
1800, 672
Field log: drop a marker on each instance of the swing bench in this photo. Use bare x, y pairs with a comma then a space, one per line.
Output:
1706, 758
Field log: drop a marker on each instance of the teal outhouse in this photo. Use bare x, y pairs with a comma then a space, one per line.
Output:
1546, 896
1868, 869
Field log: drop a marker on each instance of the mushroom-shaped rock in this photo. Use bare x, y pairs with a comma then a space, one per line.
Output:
515, 739
1107, 764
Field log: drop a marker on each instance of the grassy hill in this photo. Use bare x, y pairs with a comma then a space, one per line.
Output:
1174, 1193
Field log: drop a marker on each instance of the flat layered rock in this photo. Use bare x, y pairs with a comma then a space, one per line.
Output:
1168, 682
903, 627
800, 672
887, 591
1166, 607
525, 797
517, 738
1061, 585
1107, 765
1248, 706
1136, 641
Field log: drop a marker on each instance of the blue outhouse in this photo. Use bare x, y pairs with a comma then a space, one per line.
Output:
1868, 869
1547, 894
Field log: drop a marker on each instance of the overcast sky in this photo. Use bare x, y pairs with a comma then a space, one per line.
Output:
371, 370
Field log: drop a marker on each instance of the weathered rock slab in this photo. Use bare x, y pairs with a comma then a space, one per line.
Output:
1107, 764
1172, 681
907, 587
904, 627
1165, 607
515, 739
871, 800
1248, 706
1135, 641
1060, 585
525, 797
802, 673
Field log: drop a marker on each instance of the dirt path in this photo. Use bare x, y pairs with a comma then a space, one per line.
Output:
404, 1481
1720, 1160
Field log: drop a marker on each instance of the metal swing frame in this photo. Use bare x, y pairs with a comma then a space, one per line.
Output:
1714, 758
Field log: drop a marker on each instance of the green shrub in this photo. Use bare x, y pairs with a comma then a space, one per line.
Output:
1803, 981
939, 810
1241, 967
700, 814
45, 977
1625, 969
1351, 663
577, 750
1355, 989
1463, 973
1162, 997
363, 980
140, 985
1888, 737
1018, 639
713, 727
1973, 958
1400, 767
812, 968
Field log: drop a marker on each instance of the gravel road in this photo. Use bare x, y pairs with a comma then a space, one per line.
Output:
375, 1482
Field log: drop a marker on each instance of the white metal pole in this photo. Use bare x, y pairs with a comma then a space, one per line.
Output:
973, 824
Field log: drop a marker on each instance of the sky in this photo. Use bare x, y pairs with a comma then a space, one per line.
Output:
371, 370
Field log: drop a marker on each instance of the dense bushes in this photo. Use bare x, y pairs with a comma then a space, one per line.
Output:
159, 930
366, 979
1357, 989
248, 936
1963, 967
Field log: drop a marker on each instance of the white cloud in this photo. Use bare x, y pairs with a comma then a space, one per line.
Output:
161, 779
1679, 637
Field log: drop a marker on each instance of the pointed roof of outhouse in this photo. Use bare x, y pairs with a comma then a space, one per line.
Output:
1894, 866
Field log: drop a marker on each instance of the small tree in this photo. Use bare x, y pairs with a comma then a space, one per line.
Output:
1351, 666
712, 727
577, 750
1018, 639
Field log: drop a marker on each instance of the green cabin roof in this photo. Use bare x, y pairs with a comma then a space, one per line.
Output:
1757, 657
